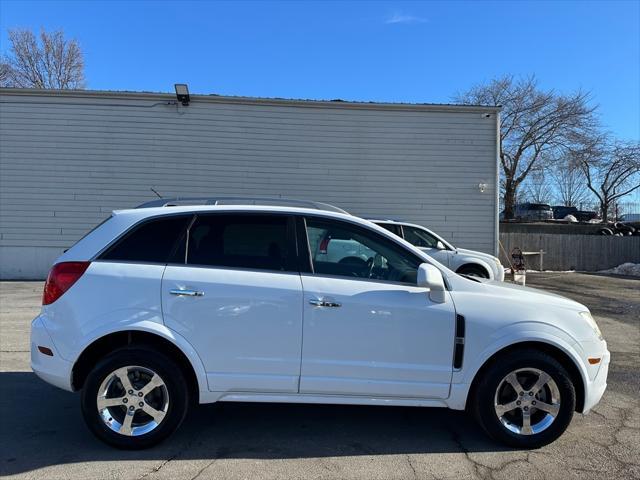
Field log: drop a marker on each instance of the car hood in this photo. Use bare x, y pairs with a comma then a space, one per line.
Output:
529, 295
484, 256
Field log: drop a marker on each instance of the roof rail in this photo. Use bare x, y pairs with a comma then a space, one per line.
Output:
264, 201
384, 219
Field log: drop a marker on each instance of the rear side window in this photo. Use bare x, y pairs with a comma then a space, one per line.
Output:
262, 242
153, 241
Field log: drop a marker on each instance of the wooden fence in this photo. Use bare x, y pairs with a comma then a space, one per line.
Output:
572, 252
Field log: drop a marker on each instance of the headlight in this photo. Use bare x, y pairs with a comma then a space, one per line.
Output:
587, 316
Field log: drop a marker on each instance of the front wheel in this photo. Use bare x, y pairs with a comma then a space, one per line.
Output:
525, 400
134, 398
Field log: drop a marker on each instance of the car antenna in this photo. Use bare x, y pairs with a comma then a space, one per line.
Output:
154, 191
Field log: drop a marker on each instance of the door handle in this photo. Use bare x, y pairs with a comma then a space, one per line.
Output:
186, 293
324, 303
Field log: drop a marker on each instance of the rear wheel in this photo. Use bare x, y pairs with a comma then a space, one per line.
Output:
525, 399
134, 398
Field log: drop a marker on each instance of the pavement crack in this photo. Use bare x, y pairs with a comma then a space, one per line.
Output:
165, 462
413, 469
203, 469
221, 452
480, 471
158, 468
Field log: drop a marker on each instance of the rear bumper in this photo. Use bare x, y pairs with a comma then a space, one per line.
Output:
595, 388
52, 369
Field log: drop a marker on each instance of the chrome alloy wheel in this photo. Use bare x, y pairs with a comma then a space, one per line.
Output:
527, 401
132, 400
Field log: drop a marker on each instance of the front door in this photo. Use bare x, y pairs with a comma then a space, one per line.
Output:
235, 294
368, 329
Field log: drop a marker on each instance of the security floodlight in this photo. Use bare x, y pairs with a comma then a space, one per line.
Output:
182, 92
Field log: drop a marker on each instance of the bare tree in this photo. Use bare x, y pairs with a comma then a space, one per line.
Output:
570, 183
48, 62
537, 186
5, 72
612, 171
534, 124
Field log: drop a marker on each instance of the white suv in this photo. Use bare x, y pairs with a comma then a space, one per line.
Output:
460, 260
157, 308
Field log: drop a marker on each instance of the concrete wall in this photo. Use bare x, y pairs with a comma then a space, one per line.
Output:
588, 253
67, 159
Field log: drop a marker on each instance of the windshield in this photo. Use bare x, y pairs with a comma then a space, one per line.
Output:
421, 238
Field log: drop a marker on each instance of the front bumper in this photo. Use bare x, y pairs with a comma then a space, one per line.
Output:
594, 389
52, 369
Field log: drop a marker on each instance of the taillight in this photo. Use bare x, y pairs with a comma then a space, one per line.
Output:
324, 244
61, 277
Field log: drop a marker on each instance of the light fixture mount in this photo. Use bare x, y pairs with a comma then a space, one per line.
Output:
182, 93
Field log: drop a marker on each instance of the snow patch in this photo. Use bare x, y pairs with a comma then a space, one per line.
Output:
632, 269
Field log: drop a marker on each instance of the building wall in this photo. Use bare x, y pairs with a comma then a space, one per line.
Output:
67, 159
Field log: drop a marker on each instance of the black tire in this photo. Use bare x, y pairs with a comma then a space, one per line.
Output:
149, 358
473, 271
483, 400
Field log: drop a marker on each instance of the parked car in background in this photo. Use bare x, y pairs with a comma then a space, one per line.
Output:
460, 260
560, 212
630, 217
160, 308
533, 211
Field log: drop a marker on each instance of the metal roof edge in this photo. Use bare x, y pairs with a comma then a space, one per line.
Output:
220, 99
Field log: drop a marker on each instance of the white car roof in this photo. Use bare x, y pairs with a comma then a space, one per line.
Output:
397, 222
141, 213
415, 225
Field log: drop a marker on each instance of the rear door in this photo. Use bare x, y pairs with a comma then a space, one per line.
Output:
234, 292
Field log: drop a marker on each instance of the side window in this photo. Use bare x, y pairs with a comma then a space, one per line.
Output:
151, 241
242, 241
339, 248
419, 238
392, 227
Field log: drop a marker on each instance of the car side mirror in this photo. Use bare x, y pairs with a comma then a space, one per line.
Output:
440, 245
430, 277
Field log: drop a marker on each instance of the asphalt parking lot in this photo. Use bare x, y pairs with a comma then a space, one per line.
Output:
43, 436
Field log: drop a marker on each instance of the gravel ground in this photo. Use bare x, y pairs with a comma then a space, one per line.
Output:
43, 435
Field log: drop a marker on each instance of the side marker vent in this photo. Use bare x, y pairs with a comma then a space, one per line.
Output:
458, 348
